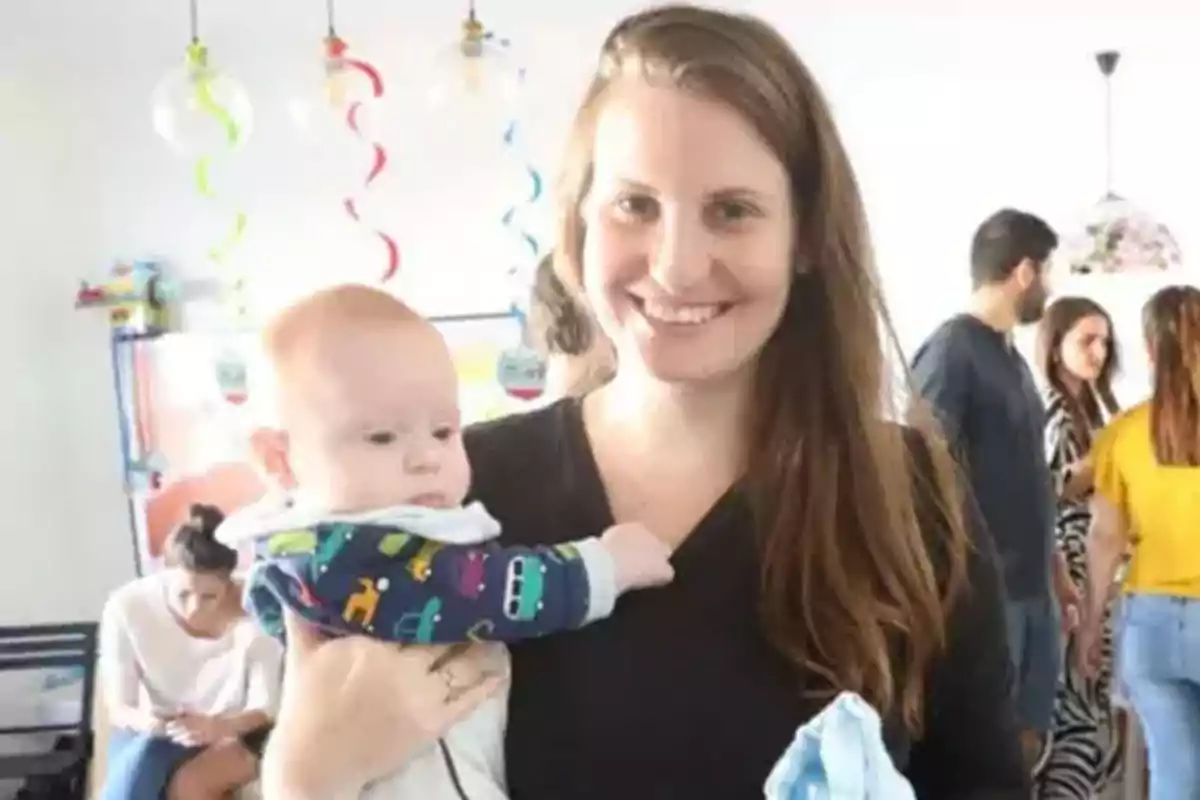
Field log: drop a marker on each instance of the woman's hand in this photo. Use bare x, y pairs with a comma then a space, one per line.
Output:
1088, 639
355, 709
198, 730
1082, 476
138, 720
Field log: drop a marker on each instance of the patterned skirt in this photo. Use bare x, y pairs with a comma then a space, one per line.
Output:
1084, 744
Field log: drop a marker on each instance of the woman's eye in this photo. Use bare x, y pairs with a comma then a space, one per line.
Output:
731, 212
638, 207
381, 437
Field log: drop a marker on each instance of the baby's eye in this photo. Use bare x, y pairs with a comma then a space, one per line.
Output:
381, 437
444, 433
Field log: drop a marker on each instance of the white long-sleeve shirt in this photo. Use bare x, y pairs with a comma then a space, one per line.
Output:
148, 661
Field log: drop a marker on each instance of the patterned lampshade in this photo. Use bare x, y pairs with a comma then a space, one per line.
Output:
1118, 237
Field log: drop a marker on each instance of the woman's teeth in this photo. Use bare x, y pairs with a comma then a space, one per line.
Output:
696, 314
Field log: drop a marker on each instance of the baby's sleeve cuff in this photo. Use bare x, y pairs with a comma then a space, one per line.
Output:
601, 579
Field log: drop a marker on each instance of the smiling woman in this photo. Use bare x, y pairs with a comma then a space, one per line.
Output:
710, 215
718, 235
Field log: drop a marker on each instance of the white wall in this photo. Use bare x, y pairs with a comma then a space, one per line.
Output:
950, 111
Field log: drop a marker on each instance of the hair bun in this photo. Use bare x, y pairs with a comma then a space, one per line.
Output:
205, 519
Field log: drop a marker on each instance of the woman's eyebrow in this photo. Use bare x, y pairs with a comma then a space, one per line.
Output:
640, 186
740, 193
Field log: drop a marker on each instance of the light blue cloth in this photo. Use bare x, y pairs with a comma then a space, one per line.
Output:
839, 755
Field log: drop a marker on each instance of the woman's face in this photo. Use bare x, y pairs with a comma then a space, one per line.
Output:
199, 598
687, 259
1084, 348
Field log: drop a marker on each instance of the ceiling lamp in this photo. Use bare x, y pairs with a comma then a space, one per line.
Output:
1118, 237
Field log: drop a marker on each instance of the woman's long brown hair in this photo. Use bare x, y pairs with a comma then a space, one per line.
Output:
1171, 320
850, 592
1060, 317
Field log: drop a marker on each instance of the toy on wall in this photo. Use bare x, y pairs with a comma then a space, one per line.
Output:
201, 113
137, 295
350, 98
1118, 237
139, 298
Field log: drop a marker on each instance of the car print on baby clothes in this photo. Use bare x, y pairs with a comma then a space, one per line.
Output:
418, 626
470, 570
524, 584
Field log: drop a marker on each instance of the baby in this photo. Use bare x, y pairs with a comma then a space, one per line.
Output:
372, 536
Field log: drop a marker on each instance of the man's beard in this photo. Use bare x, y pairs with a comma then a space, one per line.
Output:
1031, 305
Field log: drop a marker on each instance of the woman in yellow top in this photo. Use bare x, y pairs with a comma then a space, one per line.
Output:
1147, 501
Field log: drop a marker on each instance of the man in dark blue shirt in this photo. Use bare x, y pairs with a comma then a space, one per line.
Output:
984, 395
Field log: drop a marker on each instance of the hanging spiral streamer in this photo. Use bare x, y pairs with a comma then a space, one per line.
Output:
522, 369
536, 185
200, 111
202, 87
338, 63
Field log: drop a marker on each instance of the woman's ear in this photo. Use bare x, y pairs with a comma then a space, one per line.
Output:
269, 447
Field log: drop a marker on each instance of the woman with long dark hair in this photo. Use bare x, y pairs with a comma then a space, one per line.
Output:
1147, 503
710, 215
1077, 356
190, 684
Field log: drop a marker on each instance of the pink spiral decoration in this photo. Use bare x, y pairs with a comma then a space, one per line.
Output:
337, 51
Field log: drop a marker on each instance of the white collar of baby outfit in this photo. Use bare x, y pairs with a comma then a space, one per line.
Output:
275, 513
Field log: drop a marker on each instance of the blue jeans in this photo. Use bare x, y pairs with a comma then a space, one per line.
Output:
140, 767
1035, 645
1159, 660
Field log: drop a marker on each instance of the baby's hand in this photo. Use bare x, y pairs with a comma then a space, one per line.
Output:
641, 559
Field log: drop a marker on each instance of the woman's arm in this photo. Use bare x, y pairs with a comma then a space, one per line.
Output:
120, 676
264, 680
264, 672
970, 749
1109, 535
1108, 541
1072, 476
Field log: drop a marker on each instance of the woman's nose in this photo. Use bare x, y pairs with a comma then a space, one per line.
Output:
681, 259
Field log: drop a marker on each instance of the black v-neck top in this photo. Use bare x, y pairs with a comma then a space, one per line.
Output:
678, 695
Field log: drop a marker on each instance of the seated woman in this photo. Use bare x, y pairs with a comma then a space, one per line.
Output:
190, 683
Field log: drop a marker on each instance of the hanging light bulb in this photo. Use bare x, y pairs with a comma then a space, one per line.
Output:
477, 82
199, 110
322, 115
338, 116
1116, 236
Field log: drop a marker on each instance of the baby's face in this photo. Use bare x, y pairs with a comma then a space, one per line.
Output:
375, 422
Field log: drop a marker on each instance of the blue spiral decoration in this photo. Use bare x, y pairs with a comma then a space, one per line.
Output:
536, 187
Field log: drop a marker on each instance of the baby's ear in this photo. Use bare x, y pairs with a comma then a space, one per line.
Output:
269, 447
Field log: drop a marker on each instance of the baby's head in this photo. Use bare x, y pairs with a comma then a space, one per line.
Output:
368, 402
